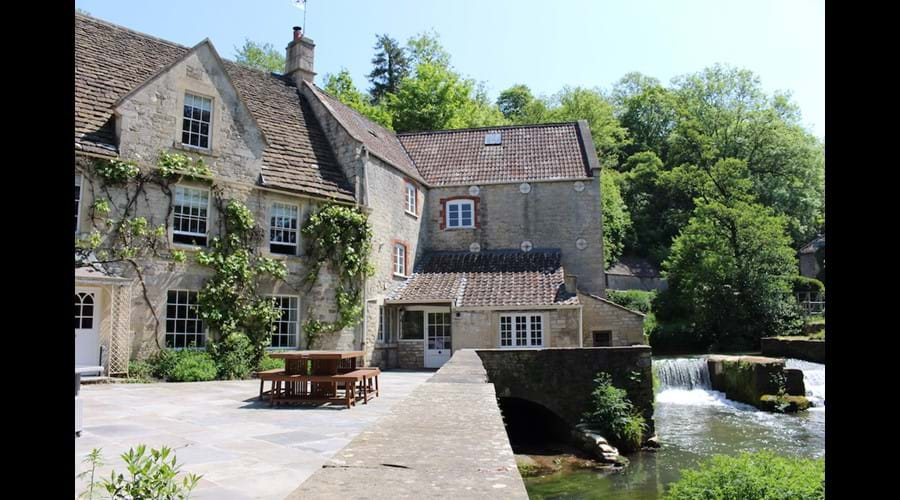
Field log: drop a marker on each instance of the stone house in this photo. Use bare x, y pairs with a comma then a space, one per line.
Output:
634, 273
482, 237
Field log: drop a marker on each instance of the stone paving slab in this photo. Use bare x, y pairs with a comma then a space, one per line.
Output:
244, 448
447, 440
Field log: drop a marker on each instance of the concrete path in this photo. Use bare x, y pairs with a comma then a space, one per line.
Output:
243, 448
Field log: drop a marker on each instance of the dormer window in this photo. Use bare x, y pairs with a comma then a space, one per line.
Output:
195, 124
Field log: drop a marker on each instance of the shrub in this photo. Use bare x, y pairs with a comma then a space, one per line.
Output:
267, 363
140, 371
162, 363
233, 356
149, 476
614, 415
804, 284
192, 366
637, 300
750, 476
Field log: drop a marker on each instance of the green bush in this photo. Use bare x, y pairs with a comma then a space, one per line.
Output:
752, 476
636, 300
162, 363
233, 356
804, 284
148, 476
140, 371
191, 365
267, 363
614, 415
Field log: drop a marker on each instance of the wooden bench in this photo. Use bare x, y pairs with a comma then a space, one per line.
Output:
268, 375
363, 377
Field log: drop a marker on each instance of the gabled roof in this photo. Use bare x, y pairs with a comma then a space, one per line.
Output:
634, 266
111, 61
378, 140
493, 278
525, 153
814, 245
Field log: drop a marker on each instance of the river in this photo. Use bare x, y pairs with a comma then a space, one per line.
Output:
694, 423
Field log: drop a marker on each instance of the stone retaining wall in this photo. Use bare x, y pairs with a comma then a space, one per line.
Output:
808, 350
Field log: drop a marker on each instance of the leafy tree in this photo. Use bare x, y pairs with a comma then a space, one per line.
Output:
616, 220
426, 48
513, 101
434, 99
647, 110
341, 87
260, 56
390, 67
731, 268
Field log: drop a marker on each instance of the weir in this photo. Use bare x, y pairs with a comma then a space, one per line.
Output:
682, 373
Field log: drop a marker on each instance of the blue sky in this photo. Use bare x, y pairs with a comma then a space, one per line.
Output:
543, 44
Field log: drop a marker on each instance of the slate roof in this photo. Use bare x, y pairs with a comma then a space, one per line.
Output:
380, 141
494, 278
634, 266
110, 61
526, 152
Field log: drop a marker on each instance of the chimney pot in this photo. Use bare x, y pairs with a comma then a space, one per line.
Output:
298, 32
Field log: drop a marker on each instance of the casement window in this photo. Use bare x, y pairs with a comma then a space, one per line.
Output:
283, 228
411, 199
387, 327
184, 328
522, 330
191, 210
399, 256
460, 214
77, 201
602, 338
196, 121
284, 331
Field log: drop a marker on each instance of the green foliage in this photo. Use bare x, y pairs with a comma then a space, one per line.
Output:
804, 284
752, 476
140, 371
101, 207
150, 476
261, 56
389, 66
268, 363
513, 101
636, 300
191, 365
613, 414
342, 88
174, 165
434, 99
115, 172
616, 219
93, 460
339, 237
233, 355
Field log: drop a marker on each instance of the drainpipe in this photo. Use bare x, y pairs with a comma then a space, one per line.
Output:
364, 201
581, 326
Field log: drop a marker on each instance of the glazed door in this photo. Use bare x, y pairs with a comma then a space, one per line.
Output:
438, 345
87, 327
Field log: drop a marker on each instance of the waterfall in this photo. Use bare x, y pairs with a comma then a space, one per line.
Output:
682, 373
813, 378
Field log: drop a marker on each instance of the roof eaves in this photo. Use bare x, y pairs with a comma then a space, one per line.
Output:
588, 150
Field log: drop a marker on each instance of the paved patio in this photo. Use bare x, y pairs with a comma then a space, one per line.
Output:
243, 448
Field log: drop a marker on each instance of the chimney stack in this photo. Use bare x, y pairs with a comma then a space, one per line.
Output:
299, 58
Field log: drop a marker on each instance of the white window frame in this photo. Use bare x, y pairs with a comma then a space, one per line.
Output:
381, 324
529, 317
175, 333
296, 323
174, 215
194, 98
399, 260
459, 204
412, 199
288, 207
80, 183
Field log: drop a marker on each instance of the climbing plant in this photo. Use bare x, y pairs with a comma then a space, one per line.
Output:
229, 301
340, 238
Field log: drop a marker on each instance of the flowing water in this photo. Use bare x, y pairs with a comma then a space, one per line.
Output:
693, 423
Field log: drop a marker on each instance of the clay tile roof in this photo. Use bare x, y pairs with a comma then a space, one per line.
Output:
380, 141
527, 152
493, 278
634, 266
110, 61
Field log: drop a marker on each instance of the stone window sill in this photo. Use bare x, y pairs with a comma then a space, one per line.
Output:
194, 149
411, 214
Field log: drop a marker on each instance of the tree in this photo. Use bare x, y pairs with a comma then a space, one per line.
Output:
426, 48
731, 268
390, 67
341, 87
434, 99
647, 110
616, 220
513, 101
260, 56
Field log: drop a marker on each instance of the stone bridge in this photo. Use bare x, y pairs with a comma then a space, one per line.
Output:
447, 438
562, 379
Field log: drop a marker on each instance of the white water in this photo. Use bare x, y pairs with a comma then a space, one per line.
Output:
813, 379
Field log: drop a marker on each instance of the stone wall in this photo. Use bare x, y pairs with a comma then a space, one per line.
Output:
562, 380
617, 282
751, 379
627, 326
798, 348
410, 354
551, 215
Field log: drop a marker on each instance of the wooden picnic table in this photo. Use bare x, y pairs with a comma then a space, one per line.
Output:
318, 368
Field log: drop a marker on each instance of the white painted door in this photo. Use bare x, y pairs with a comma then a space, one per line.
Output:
87, 327
438, 347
